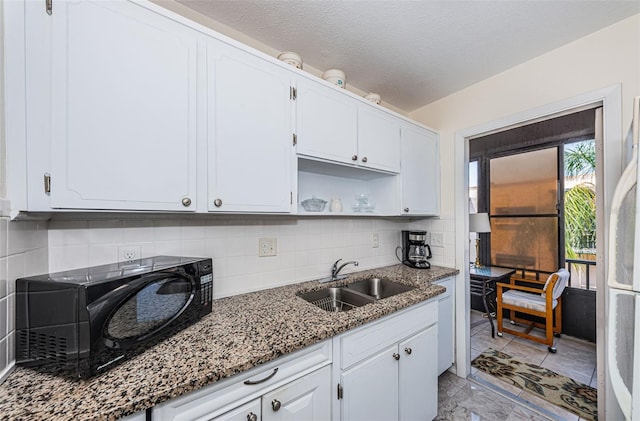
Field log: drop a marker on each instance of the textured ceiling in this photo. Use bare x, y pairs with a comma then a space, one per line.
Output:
415, 52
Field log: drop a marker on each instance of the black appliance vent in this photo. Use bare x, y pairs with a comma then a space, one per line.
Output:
34, 346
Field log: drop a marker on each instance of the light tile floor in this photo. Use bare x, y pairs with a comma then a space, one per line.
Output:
462, 399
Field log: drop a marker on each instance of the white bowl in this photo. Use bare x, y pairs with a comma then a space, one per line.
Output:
373, 97
335, 76
291, 58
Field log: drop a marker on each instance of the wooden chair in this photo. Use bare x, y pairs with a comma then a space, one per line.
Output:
534, 302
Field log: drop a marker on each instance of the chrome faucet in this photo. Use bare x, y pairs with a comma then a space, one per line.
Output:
335, 270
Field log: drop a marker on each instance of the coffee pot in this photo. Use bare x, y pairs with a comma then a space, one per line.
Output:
415, 250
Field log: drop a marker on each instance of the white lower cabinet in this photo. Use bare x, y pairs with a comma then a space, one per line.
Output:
308, 398
418, 393
293, 387
385, 370
250, 411
445, 325
388, 369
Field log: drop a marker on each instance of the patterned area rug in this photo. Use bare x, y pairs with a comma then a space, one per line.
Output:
561, 391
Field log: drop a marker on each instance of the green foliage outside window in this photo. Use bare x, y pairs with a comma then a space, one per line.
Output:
580, 200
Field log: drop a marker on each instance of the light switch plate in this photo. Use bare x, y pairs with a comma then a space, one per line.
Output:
375, 241
437, 239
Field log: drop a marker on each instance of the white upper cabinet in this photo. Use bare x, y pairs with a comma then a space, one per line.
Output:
250, 134
378, 139
337, 127
123, 105
420, 154
123, 108
326, 123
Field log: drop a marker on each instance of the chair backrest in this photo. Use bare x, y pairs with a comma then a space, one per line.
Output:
561, 283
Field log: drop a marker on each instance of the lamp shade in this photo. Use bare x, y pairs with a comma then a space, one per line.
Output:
479, 222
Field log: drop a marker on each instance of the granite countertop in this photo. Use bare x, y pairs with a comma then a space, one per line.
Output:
242, 332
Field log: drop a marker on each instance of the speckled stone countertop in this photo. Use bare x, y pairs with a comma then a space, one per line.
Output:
242, 332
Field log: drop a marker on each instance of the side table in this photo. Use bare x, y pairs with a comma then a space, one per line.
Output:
482, 283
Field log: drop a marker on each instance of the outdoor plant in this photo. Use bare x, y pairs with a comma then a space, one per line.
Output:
580, 200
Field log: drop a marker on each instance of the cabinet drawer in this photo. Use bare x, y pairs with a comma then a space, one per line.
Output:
225, 395
359, 344
243, 412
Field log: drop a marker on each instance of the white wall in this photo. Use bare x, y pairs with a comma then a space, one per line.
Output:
601, 59
306, 247
254, 43
594, 63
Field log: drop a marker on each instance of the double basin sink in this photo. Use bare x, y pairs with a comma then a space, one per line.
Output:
355, 294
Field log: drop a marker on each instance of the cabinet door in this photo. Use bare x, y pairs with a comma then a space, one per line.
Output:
419, 376
308, 398
250, 411
250, 133
445, 326
124, 108
378, 139
420, 171
326, 123
370, 389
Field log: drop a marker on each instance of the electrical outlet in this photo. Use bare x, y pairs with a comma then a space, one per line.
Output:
436, 239
130, 252
267, 247
375, 242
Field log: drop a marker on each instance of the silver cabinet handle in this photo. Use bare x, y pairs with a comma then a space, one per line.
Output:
396, 356
252, 417
408, 350
217, 202
186, 202
275, 404
252, 382
364, 159
406, 209
354, 158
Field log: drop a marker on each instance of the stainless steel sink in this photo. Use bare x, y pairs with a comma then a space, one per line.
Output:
336, 299
379, 288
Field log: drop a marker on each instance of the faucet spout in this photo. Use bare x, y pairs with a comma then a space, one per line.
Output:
335, 270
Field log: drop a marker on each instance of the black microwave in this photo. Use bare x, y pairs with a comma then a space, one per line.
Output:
82, 322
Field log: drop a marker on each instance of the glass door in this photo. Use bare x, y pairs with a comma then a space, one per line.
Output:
524, 210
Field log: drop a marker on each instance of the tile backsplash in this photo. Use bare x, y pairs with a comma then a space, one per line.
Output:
306, 249
23, 252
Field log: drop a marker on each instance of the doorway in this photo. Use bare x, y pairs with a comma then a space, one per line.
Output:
537, 185
608, 150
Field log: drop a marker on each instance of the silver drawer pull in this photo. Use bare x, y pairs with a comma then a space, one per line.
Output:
252, 382
252, 417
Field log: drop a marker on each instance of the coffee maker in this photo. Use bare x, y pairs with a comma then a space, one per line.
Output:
415, 250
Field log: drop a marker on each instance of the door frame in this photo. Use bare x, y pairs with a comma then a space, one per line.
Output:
608, 159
